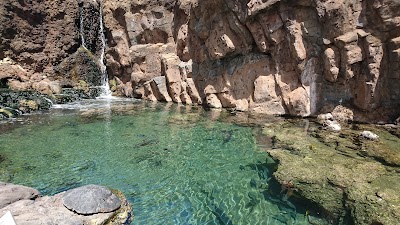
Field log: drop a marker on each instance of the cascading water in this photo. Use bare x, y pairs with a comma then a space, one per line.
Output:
105, 88
100, 50
81, 27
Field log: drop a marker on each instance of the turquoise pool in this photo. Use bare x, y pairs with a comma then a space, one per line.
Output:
175, 164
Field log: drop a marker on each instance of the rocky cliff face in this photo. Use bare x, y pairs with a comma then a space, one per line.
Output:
276, 56
296, 57
39, 44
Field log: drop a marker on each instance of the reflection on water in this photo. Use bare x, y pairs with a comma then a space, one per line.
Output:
174, 164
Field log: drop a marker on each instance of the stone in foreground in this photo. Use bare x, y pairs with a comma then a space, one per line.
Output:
91, 199
28, 208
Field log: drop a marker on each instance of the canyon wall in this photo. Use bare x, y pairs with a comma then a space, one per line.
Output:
300, 58
297, 57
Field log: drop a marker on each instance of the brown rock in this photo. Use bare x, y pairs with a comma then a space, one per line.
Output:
170, 65
343, 114
298, 102
331, 64
148, 92
159, 88
17, 85
192, 91
213, 101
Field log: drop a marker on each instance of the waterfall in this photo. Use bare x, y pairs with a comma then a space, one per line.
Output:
81, 27
105, 87
100, 50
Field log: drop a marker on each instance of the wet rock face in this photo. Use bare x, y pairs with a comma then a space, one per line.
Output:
39, 39
80, 66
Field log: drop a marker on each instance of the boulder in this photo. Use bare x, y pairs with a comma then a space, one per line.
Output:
91, 199
29, 209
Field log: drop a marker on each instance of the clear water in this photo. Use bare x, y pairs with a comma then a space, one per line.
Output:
174, 164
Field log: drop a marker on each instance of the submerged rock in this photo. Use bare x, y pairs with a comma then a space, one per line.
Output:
353, 180
332, 125
369, 135
328, 121
91, 199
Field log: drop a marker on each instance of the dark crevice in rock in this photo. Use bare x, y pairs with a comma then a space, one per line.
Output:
119, 15
153, 36
4, 83
33, 18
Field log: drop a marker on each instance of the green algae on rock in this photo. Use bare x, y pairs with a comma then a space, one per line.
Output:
339, 171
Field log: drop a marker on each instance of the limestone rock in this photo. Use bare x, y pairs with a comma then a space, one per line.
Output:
331, 63
343, 114
91, 199
192, 91
170, 66
11, 70
332, 125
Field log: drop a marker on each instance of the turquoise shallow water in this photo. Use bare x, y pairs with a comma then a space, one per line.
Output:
175, 164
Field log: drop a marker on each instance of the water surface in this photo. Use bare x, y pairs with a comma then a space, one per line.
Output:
175, 164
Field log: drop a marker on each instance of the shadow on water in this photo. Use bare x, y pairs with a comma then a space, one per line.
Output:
288, 203
220, 215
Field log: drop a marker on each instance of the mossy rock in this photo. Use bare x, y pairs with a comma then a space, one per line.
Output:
80, 66
339, 171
